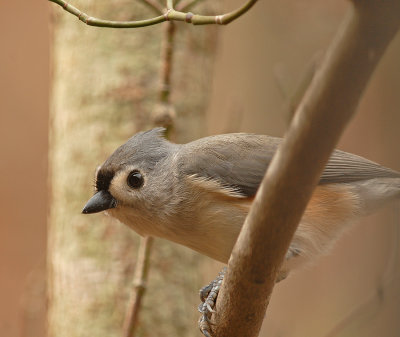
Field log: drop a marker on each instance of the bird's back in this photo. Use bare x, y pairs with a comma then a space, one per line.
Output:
239, 161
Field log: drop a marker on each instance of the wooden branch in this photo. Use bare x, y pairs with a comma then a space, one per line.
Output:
139, 286
167, 52
320, 119
164, 112
170, 15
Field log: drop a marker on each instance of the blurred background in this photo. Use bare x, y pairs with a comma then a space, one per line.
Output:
24, 120
104, 87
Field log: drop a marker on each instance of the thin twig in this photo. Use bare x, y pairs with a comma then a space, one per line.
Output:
154, 5
166, 66
165, 118
170, 15
90, 21
321, 117
139, 286
164, 114
176, 2
187, 5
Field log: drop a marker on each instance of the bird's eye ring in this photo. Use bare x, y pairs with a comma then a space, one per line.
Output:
135, 179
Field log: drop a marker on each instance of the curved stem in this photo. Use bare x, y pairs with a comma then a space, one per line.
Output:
170, 15
91, 21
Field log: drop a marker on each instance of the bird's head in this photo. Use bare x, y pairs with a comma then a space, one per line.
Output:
129, 178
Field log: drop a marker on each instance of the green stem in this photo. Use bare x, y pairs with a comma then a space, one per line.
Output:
107, 23
170, 15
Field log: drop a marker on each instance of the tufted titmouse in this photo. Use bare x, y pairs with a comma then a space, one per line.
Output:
198, 194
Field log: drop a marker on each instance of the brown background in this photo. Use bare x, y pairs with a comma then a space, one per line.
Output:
273, 38
24, 84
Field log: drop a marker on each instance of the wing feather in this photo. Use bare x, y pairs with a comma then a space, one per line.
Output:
239, 161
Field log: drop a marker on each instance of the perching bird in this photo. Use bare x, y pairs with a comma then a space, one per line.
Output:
198, 194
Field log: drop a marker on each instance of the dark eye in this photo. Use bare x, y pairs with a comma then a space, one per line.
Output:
135, 179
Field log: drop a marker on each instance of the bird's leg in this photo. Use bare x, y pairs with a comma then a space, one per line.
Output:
208, 296
292, 253
209, 293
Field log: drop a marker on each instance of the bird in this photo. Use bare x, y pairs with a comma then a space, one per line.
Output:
199, 193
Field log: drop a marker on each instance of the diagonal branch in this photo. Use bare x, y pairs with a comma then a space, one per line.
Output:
170, 15
327, 107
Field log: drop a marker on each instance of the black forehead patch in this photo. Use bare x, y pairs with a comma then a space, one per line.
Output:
103, 179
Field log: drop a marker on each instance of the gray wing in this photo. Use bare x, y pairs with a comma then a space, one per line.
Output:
240, 160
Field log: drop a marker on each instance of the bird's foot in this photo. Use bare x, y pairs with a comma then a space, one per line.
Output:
208, 296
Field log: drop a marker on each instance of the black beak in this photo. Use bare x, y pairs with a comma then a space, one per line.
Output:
101, 201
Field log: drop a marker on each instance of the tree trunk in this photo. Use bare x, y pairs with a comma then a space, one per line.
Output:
105, 86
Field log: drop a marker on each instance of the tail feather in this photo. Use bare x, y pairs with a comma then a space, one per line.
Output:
375, 193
